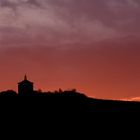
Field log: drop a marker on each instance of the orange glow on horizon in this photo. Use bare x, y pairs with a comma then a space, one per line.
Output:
101, 72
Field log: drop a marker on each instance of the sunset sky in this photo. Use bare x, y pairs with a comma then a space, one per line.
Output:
90, 45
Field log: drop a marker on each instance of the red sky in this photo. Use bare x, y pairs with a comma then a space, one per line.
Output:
93, 46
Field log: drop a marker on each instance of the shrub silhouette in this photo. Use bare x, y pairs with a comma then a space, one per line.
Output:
68, 101
8, 93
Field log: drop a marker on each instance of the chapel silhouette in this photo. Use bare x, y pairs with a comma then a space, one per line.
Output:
25, 87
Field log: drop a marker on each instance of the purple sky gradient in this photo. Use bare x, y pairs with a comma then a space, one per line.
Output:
92, 45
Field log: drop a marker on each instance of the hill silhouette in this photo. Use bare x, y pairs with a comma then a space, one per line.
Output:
66, 101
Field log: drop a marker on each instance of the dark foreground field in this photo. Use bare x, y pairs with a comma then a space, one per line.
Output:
70, 102
65, 113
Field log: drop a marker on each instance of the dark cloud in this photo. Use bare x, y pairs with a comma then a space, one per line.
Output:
69, 21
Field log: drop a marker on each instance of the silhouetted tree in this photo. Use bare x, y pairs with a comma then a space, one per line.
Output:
72, 102
8, 93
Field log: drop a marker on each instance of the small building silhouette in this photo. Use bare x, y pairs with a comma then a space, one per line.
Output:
25, 87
